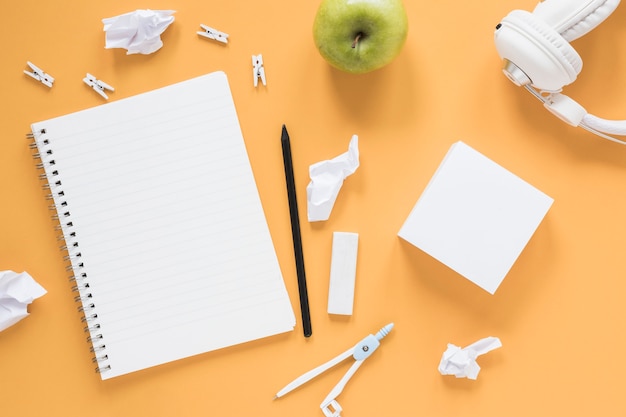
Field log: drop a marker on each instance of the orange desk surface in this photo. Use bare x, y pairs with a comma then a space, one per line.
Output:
560, 312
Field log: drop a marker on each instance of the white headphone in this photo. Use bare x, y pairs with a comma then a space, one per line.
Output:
537, 55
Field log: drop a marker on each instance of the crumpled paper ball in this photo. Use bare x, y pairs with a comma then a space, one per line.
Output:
138, 32
327, 178
461, 362
17, 291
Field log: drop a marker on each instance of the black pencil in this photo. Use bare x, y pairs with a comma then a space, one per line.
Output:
295, 232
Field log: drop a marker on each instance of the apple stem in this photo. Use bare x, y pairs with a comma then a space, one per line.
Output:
356, 40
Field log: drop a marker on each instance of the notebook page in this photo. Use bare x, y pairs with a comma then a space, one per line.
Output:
171, 231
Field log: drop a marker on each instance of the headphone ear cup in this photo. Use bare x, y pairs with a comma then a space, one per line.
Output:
538, 50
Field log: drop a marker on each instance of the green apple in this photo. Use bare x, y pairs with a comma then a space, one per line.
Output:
359, 36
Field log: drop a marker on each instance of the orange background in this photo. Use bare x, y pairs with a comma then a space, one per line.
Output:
559, 313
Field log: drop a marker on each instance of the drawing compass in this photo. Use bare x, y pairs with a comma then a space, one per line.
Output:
361, 351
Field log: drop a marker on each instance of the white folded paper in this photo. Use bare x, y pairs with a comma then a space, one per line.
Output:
326, 180
462, 362
138, 32
16, 292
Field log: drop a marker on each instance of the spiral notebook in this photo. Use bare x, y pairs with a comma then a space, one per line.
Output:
164, 229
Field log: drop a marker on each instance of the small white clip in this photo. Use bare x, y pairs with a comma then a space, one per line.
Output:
258, 70
212, 33
97, 85
39, 74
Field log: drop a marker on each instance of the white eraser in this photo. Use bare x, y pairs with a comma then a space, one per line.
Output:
342, 273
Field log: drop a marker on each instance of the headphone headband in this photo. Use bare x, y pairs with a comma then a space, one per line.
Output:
574, 18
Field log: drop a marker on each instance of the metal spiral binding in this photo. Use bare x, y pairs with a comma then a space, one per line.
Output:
65, 248
78, 278
86, 308
42, 152
80, 287
92, 328
97, 348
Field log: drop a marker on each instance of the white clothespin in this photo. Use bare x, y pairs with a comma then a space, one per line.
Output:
97, 85
38, 74
361, 351
258, 70
210, 33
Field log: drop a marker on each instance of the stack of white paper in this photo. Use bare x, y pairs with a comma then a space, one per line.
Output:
475, 216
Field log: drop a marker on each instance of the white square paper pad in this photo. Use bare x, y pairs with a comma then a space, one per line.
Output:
475, 216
